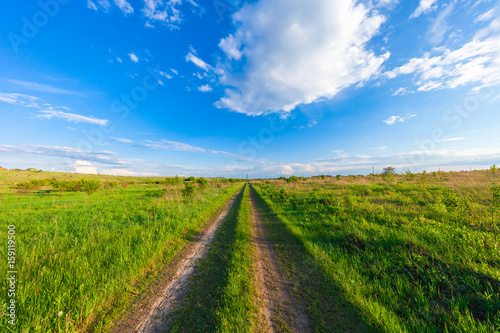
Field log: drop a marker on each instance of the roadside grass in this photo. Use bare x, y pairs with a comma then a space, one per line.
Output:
221, 296
81, 259
411, 256
326, 305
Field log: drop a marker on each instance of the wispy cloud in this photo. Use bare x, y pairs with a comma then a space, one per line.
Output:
124, 6
439, 27
198, 62
20, 99
123, 140
165, 12
424, 7
179, 146
71, 117
64, 152
394, 119
476, 63
44, 88
133, 57
91, 5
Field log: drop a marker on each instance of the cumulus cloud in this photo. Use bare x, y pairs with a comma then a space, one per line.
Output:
424, 7
71, 117
394, 119
205, 88
476, 62
133, 57
296, 53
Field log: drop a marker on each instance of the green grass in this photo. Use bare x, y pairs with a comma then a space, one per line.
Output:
238, 310
222, 295
327, 306
81, 259
410, 256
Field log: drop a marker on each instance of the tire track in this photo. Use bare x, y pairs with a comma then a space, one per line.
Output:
281, 311
154, 317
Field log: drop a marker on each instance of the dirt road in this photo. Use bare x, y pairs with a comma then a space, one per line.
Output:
281, 309
153, 316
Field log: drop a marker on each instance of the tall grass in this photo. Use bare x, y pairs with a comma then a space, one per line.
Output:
81, 258
419, 257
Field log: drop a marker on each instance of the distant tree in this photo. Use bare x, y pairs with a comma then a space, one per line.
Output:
494, 169
389, 170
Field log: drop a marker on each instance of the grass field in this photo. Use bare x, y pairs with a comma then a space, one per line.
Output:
415, 253
81, 258
378, 253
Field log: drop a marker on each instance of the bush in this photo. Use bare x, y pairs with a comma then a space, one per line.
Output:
110, 185
173, 181
190, 179
89, 185
188, 190
202, 182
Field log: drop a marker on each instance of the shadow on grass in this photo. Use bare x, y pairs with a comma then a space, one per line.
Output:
206, 288
327, 306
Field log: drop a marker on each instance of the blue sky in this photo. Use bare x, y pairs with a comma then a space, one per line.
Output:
267, 88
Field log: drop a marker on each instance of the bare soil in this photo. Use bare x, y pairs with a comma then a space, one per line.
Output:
151, 315
280, 309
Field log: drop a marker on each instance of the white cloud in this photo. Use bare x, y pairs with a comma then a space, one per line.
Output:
453, 139
133, 57
198, 62
84, 167
401, 91
119, 59
44, 88
124, 6
424, 7
63, 152
180, 146
439, 27
71, 117
91, 5
19, 99
477, 62
394, 119
297, 53
123, 140
205, 88
486, 16
164, 12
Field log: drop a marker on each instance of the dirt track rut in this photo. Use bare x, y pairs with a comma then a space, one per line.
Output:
153, 317
280, 309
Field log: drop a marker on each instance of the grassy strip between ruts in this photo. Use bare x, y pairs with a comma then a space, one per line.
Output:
328, 309
222, 295
81, 263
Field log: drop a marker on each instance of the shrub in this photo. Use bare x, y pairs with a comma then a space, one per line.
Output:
188, 190
109, 184
190, 179
493, 169
89, 185
202, 182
